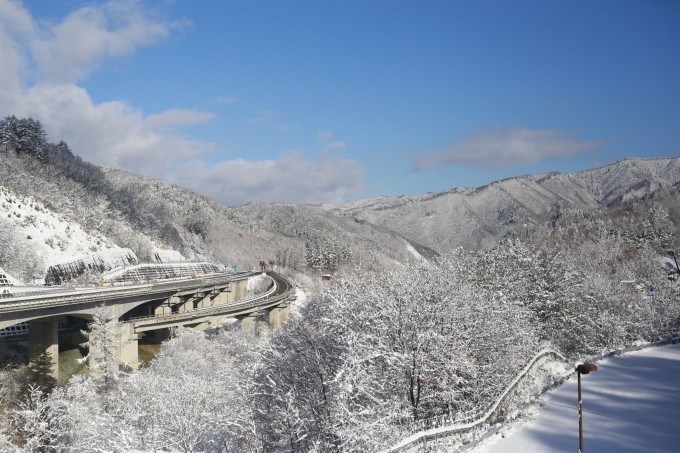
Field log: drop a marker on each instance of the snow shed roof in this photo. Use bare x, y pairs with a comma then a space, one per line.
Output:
162, 271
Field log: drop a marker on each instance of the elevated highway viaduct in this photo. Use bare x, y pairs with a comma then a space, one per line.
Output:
136, 309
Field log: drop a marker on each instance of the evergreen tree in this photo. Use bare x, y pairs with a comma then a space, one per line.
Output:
40, 372
32, 138
103, 344
9, 140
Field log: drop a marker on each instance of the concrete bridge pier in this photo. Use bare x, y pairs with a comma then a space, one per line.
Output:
43, 335
189, 303
278, 315
247, 322
237, 290
164, 309
222, 297
128, 342
274, 318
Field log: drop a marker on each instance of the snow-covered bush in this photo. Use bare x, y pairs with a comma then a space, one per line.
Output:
258, 285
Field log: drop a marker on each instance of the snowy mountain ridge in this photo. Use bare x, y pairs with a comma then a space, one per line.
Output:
478, 217
150, 218
59, 209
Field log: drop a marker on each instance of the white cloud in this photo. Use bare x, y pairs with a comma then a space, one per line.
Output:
499, 147
177, 118
326, 137
110, 133
15, 18
41, 64
290, 178
16, 27
93, 34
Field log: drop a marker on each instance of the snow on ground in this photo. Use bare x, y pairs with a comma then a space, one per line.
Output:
56, 239
414, 252
61, 241
631, 404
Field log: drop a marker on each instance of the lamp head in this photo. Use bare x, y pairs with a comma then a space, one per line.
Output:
586, 368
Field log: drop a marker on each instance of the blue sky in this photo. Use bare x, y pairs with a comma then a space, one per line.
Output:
319, 101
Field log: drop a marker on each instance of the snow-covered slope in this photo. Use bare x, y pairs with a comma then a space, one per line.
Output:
52, 236
474, 218
631, 405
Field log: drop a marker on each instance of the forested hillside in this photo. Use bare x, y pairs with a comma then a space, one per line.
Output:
115, 212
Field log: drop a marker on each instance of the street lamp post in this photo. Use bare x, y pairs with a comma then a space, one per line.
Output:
583, 368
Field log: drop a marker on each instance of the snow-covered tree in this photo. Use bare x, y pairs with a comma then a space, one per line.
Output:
9, 141
325, 251
193, 397
293, 385
380, 352
418, 343
103, 343
34, 428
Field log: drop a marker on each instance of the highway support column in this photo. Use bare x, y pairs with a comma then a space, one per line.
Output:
247, 323
128, 344
278, 315
237, 290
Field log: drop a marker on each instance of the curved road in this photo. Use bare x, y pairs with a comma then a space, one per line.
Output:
282, 290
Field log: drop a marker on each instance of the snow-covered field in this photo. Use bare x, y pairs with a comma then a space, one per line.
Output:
631, 404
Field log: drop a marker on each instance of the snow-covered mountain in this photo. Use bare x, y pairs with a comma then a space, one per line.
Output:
57, 210
630, 179
60, 214
478, 217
